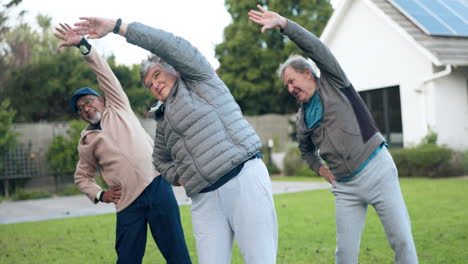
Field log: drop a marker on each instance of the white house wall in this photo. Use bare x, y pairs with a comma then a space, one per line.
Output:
374, 54
448, 99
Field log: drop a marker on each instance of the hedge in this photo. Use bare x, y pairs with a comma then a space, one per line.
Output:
428, 160
425, 160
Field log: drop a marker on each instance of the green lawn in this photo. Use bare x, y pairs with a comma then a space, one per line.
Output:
438, 209
298, 178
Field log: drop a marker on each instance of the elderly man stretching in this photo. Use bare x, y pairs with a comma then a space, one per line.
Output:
334, 125
116, 144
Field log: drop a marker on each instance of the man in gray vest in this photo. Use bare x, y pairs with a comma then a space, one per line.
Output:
203, 143
334, 125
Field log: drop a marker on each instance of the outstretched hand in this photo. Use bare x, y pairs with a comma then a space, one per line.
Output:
69, 37
267, 19
94, 27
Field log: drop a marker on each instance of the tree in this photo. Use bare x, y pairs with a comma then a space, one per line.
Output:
7, 135
35, 81
140, 98
249, 60
5, 56
41, 90
40, 85
39, 80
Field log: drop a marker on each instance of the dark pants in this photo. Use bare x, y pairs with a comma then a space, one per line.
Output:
157, 207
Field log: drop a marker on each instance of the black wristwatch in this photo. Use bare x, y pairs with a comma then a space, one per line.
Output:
101, 196
84, 46
117, 26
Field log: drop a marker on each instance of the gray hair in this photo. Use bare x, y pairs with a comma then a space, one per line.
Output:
153, 60
298, 63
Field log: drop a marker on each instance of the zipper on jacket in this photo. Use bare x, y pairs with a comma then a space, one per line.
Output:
325, 131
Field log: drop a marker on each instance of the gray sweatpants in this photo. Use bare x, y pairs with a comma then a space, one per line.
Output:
377, 185
243, 207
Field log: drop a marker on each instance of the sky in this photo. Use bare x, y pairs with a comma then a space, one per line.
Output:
201, 22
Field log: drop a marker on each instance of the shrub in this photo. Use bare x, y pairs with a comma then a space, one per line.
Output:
430, 138
62, 155
429, 160
70, 190
22, 194
456, 164
305, 171
465, 163
294, 165
272, 168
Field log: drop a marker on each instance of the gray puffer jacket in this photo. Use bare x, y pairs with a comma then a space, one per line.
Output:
201, 133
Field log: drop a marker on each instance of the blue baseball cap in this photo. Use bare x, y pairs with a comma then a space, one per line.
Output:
77, 94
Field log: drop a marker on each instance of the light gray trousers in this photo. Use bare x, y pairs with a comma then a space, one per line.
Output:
242, 208
377, 185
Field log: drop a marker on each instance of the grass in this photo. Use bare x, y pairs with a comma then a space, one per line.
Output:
298, 178
438, 210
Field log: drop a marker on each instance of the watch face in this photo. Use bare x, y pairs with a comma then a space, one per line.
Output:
84, 49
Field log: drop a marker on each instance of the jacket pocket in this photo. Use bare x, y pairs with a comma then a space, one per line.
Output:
345, 142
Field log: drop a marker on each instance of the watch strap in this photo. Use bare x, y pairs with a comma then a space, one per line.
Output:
84, 46
117, 26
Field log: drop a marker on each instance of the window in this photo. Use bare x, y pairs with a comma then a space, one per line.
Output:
384, 105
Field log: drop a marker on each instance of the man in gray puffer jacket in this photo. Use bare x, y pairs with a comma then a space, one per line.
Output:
204, 144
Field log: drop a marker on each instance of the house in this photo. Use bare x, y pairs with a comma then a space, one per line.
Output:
413, 75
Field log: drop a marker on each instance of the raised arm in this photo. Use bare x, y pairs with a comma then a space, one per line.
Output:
176, 51
310, 44
115, 96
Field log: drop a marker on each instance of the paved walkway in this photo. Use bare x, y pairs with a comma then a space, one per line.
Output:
73, 206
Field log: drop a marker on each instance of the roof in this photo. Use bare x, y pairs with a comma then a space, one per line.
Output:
437, 17
441, 50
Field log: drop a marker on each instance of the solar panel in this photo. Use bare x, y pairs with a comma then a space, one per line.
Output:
437, 17
461, 6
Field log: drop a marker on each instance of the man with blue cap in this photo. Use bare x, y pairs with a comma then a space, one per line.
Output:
87, 100
117, 145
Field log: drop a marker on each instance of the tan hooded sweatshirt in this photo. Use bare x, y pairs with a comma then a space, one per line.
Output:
121, 150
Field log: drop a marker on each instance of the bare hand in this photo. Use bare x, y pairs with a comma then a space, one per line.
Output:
95, 27
112, 195
180, 183
69, 37
326, 173
267, 18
